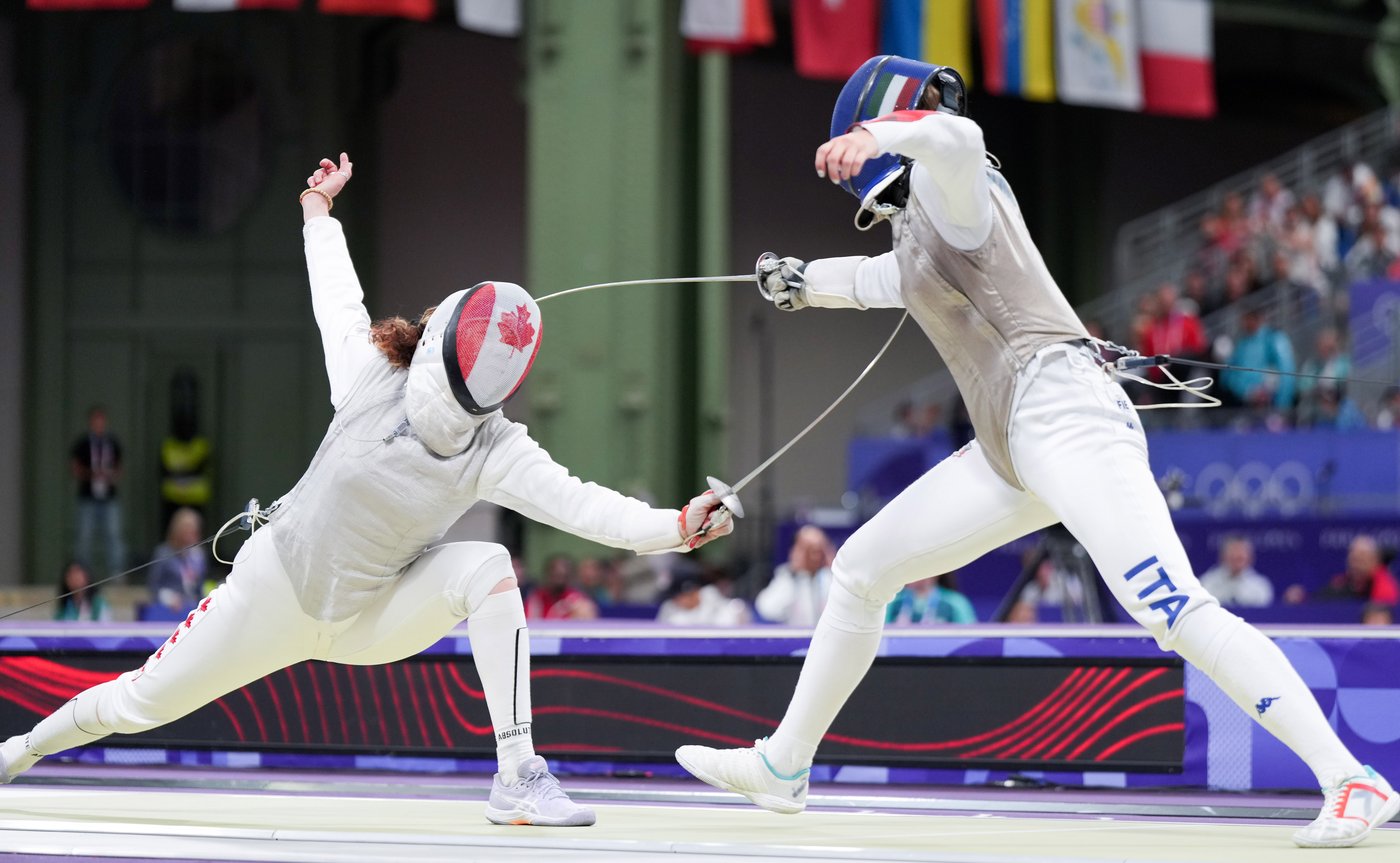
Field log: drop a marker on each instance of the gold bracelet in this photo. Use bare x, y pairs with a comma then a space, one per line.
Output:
330, 205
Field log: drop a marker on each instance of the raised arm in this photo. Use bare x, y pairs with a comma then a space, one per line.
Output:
520, 475
950, 175
337, 300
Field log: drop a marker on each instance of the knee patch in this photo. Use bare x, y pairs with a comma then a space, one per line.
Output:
474, 584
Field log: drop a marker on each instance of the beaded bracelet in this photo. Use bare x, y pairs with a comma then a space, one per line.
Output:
330, 205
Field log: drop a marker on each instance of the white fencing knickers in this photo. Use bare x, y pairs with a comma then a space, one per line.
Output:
1080, 452
252, 626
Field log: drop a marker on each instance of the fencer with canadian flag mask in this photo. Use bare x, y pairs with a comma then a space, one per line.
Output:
349, 567
1057, 440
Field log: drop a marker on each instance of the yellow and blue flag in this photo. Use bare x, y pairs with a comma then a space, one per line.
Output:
1017, 47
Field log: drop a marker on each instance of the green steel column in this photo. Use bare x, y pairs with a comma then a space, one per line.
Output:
607, 200
713, 259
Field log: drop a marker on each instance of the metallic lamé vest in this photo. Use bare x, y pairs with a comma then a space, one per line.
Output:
373, 499
987, 311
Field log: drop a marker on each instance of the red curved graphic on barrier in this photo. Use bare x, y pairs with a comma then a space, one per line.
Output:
1091, 712
1124, 716
1154, 731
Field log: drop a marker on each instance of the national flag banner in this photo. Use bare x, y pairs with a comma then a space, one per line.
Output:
494, 17
1177, 57
947, 33
1017, 47
83, 5
934, 31
234, 5
1097, 53
901, 28
726, 25
418, 10
831, 38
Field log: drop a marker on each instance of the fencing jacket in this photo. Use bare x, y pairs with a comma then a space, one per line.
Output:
964, 266
374, 497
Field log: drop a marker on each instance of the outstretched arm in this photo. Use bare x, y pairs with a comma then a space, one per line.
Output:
520, 475
337, 300
856, 282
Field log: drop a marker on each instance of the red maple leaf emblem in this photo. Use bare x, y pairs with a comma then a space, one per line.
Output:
516, 329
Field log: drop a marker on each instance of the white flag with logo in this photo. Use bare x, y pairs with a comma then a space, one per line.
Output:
496, 17
1096, 53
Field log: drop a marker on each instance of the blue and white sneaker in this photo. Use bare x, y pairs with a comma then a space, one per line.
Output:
1350, 811
535, 798
748, 772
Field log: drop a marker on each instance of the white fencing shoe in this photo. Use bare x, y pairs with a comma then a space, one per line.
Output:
748, 772
535, 798
1350, 810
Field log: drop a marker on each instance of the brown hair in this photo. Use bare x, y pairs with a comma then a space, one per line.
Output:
398, 337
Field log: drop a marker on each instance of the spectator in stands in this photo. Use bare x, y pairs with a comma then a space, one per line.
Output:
1325, 236
928, 601
1335, 410
87, 603
96, 463
1378, 614
1234, 580
797, 593
1365, 578
1388, 409
1234, 224
1173, 330
690, 601
558, 598
1344, 194
1198, 292
1377, 244
1260, 346
1329, 360
1268, 205
594, 583
181, 565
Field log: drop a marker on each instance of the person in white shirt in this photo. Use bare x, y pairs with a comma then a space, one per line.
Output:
797, 593
1057, 440
347, 568
1234, 580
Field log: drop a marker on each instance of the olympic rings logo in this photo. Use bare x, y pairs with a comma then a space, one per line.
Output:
1255, 488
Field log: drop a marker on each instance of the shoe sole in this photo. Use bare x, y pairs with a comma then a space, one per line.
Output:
519, 817
1386, 814
771, 802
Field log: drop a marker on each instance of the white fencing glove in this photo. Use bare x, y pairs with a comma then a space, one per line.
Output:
704, 519
782, 281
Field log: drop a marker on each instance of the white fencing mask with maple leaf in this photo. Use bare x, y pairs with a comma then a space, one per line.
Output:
474, 354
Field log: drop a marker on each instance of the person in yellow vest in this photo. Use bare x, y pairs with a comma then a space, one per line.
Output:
185, 455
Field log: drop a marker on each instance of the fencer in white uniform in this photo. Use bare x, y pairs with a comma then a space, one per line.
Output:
346, 569
1057, 441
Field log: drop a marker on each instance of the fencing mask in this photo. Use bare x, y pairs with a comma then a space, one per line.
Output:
474, 354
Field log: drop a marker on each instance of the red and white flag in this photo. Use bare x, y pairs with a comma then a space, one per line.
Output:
418, 10
84, 5
1177, 57
726, 25
234, 5
832, 38
494, 17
